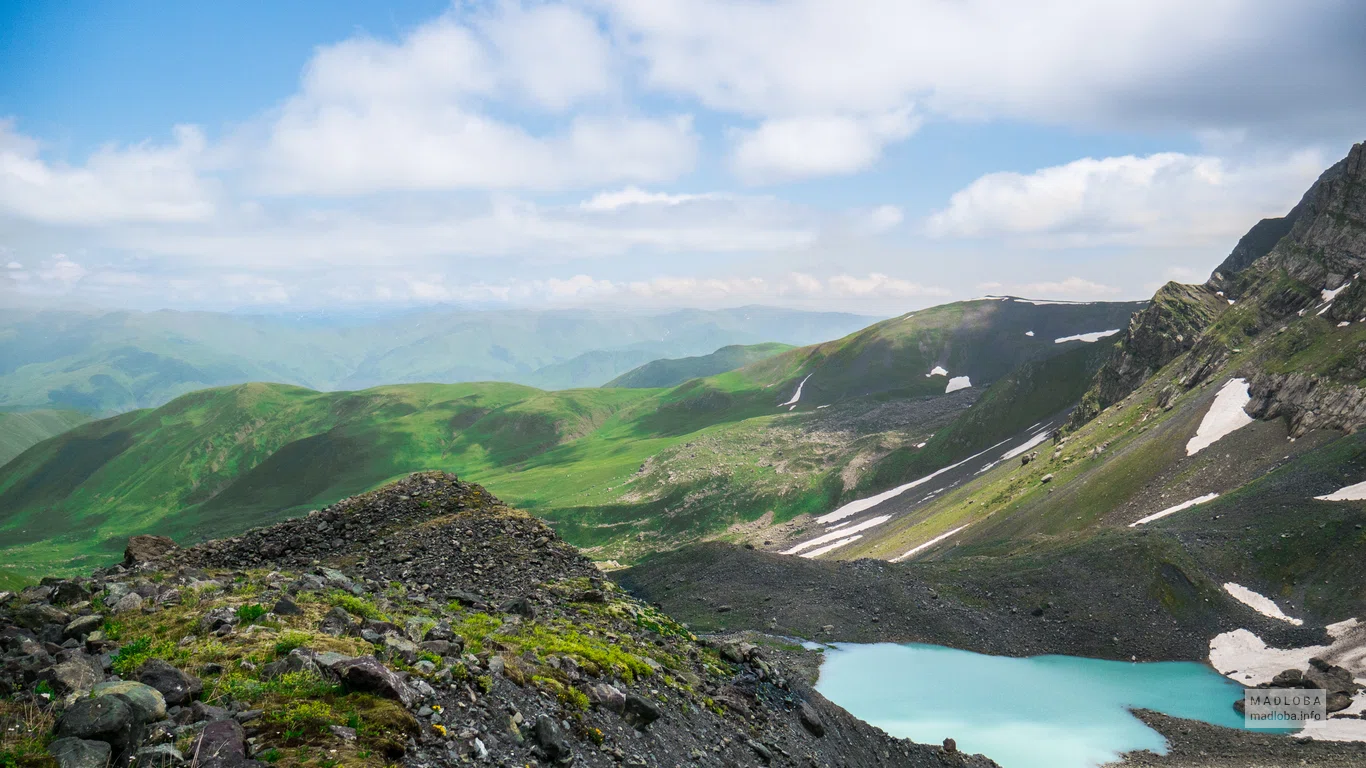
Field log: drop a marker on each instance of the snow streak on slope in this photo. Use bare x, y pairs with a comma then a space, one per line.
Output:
1175, 509
1089, 338
796, 395
1350, 493
871, 522
927, 544
859, 505
1259, 603
832, 547
1225, 416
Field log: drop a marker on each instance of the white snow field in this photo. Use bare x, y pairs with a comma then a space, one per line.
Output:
957, 383
1225, 416
871, 522
859, 505
1350, 493
937, 371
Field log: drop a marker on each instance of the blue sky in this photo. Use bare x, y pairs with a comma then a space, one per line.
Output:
878, 156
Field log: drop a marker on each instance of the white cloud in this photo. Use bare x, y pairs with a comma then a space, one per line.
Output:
414, 115
1217, 65
14, 265
782, 149
629, 196
1161, 199
143, 183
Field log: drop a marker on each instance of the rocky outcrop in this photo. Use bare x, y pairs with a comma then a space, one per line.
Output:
1307, 402
144, 549
1168, 327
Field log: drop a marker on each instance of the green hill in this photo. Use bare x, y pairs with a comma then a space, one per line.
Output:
670, 373
110, 362
21, 429
618, 470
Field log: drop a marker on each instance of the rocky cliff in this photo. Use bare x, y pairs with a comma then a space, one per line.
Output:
424, 624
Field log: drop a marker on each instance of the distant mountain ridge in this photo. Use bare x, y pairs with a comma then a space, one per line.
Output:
672, 372
109, 362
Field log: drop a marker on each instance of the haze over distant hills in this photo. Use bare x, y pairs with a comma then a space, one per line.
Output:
109, 362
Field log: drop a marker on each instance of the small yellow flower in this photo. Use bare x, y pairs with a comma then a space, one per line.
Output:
441, 729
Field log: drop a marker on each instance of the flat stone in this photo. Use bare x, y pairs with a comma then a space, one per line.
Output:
147, 702
72, 752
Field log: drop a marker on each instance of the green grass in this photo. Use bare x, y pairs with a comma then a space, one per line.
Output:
22, 429
218, 461
671, 373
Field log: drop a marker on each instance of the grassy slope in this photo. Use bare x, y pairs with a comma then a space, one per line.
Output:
21, 429
671, 373
222, 460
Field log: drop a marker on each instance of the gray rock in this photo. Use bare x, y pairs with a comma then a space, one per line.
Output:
200, 712
639, 711
399, 647
366, 675
111, 719
298, 660
176, 687
142, 549
811, 719
222, 743
553, 744
71, 678
81, 626
336, 623
128, 603
606, 696
38, 615
159, 756
286, 607
342, 732
146, 701
72, 752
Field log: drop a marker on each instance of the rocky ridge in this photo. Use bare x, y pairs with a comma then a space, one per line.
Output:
424, 624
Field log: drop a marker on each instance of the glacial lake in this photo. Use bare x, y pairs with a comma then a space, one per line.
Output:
1039, 712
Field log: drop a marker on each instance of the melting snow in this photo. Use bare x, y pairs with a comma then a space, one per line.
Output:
871, 522
1029, 333
1089, 338
1175, 509
1344, 323
1242, 656
1333, 294
1350, 493
1342, 627
857, 506
832, 547
827, 405
927, 544
1259, 603
796, 395
1225, 416
937, 371
957, 383
1025, 446
1326, 307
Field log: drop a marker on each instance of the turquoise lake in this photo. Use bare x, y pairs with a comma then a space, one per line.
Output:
1040, 712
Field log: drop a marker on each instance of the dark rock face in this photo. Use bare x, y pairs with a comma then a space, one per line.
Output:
143, 549
222, 744
366, 674
639, 711
110, 719
71, 752
553, 745
1307, 402
811, 719
175, 686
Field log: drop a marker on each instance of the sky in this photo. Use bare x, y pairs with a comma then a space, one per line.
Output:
876, 156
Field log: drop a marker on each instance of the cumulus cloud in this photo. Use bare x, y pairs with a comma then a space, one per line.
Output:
1221, 65
1161, 199
789, 148
373, 115
141, 183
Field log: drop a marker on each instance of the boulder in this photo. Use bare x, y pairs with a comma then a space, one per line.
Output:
298, 660
146, 701
1338, 701
111, 719
158, 756
639, 711
286, 607
520, 606
606, 696
71, 678
79, 627
336, 623
399, 647
366, 675
38, 615
142, 549
811, 719
222, 744
69, 591
553, 744
176, 687
128, 603
72, 752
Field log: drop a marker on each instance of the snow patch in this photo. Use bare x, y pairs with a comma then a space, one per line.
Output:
927, 544
920, 445
1029, 333
859, 505
1025, 446
832, 547
1326, 307
1333, 294
1344, 323
1350, 493
1175, 509
1242, 657
1225, 416
1089, 338
827, 405
1342, 628
1259, 603
1044, 302
957, 383
796, 395
937, 371
871, 522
